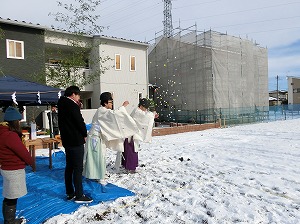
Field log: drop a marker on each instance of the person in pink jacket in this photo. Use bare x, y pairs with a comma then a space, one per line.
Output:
13, 159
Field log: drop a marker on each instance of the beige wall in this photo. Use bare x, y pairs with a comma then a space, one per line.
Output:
293, 90
124, 84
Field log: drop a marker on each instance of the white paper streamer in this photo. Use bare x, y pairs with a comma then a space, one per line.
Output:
14, 98
39, 98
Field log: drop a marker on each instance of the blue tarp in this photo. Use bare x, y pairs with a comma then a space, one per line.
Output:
88, 126
27, 91
46, 192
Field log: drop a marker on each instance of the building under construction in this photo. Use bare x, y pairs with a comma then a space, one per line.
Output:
207, 73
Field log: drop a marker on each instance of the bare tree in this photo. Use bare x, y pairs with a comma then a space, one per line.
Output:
83, 18
66, 65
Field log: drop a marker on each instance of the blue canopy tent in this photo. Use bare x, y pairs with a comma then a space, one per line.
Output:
29, 93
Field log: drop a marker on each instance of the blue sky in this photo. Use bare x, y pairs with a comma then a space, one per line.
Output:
274, 24
284, 61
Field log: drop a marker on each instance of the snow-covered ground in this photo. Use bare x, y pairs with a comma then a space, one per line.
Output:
242, 174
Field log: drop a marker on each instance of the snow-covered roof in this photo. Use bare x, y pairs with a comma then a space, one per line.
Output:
272, 98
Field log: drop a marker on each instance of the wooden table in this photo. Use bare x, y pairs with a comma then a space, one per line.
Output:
41, 133
34, 144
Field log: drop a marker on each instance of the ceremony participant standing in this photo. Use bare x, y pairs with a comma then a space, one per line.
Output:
13, 159
73, 133
109, 129
144, 120
53, 123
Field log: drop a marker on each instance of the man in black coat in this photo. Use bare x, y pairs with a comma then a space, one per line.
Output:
73, 134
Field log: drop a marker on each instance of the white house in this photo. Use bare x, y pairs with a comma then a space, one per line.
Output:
36, 49
127, 76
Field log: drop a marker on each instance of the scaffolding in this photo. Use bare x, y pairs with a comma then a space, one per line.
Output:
208, 71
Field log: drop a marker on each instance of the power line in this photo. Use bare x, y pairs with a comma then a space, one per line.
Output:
234, 12
110, 5
247, 10
260, 21
202, 3
123, 8
134, 15
265, 31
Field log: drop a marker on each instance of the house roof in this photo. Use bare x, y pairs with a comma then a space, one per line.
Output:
22, 23
38, 26
279, 91
272, 98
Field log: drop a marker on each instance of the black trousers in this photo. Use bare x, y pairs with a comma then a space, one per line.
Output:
55, 132
73, 170
10, 202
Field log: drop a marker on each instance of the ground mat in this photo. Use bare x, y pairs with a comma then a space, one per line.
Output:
46, 192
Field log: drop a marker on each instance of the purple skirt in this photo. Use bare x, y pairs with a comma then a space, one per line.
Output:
130, 157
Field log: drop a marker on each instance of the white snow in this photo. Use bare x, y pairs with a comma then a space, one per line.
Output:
241, 174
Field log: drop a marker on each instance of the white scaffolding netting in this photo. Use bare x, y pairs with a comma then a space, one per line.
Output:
208, 71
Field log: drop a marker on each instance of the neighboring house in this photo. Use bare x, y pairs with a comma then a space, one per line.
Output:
278, 98
127, 77
208, 71
272, 101
26, 48
21, 49
293, 90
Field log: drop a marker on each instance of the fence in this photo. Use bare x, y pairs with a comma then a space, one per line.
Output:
231, 116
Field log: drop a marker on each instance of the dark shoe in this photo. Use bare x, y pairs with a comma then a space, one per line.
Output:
16, 221
83, 199
70, 197
9, 214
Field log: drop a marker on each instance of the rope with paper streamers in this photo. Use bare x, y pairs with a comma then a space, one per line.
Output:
14, 95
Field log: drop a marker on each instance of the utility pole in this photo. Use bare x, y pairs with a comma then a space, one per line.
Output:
277, 90
168, 27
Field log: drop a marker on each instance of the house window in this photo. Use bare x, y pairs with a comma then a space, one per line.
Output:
132, 63
140, 95
296, 90
117, 61
15, 49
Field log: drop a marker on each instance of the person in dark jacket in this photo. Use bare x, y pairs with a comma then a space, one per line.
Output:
73, 134
53, 123
13, 159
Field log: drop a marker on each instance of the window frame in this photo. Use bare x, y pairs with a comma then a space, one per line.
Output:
116, 68
15, 49
130, 63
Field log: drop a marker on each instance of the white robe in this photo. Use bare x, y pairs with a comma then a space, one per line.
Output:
144, 121
109, 129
